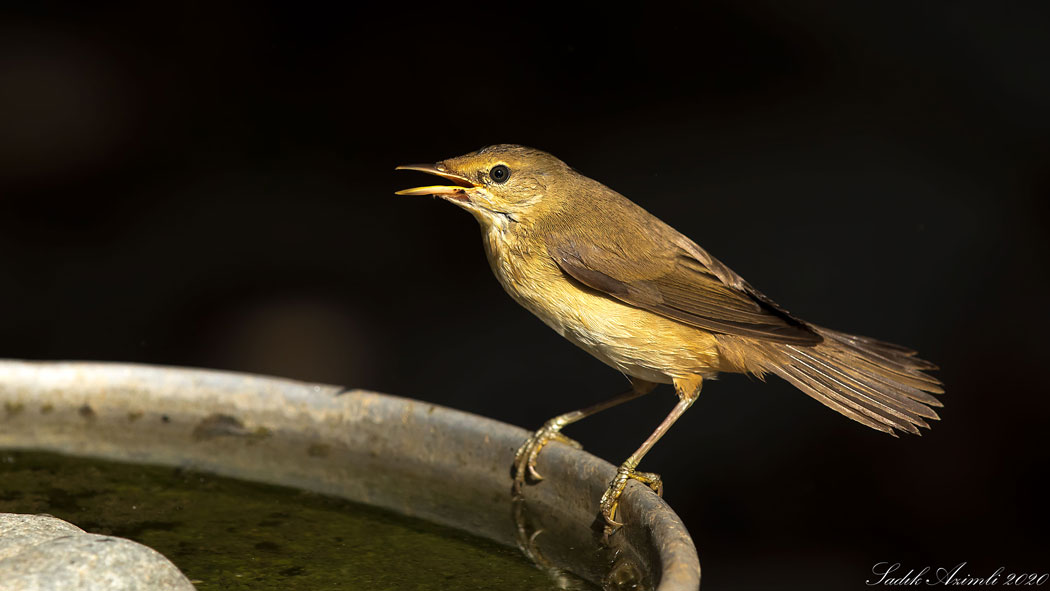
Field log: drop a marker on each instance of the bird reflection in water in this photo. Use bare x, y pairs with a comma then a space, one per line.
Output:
553, 542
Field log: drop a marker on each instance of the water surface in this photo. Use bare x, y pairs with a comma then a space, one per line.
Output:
232, 535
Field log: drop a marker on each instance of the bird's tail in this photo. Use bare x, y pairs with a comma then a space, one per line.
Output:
878, 384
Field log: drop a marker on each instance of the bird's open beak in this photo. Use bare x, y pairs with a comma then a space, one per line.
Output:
457, 191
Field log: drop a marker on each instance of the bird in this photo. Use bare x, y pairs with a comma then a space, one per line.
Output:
640, 296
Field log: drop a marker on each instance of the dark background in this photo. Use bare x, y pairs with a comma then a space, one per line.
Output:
212, 185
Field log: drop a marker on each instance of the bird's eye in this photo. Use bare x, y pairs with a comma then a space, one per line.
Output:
499, 174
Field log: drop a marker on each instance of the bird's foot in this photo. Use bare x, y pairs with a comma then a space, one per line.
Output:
611, 499
525, 458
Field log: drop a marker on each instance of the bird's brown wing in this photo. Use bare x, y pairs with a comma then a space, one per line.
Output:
682, 283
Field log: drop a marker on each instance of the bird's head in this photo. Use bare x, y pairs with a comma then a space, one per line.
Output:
497, 184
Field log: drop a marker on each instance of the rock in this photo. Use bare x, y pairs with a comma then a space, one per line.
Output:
42, 553
18, 532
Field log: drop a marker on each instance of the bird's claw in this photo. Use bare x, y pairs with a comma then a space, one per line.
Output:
611, 499
526, 456
533, 474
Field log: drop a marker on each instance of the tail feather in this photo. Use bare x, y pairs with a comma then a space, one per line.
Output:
896, 401
831, 402
910, 389
910, 378
878, 384
892, 358
826, 386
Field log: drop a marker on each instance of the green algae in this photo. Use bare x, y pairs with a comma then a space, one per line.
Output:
226, 534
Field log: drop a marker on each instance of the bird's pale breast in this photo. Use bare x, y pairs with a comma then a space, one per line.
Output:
631, 340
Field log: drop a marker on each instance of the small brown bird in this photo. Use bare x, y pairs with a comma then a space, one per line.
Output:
638, 295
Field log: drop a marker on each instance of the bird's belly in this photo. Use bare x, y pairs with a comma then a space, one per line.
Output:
634, 341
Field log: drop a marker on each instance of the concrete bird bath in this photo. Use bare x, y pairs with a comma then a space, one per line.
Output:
407, 456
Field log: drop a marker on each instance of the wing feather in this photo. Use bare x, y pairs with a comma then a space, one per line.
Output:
681, 288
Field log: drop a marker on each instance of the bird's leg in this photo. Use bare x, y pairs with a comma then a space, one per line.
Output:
688, 389
525, 458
